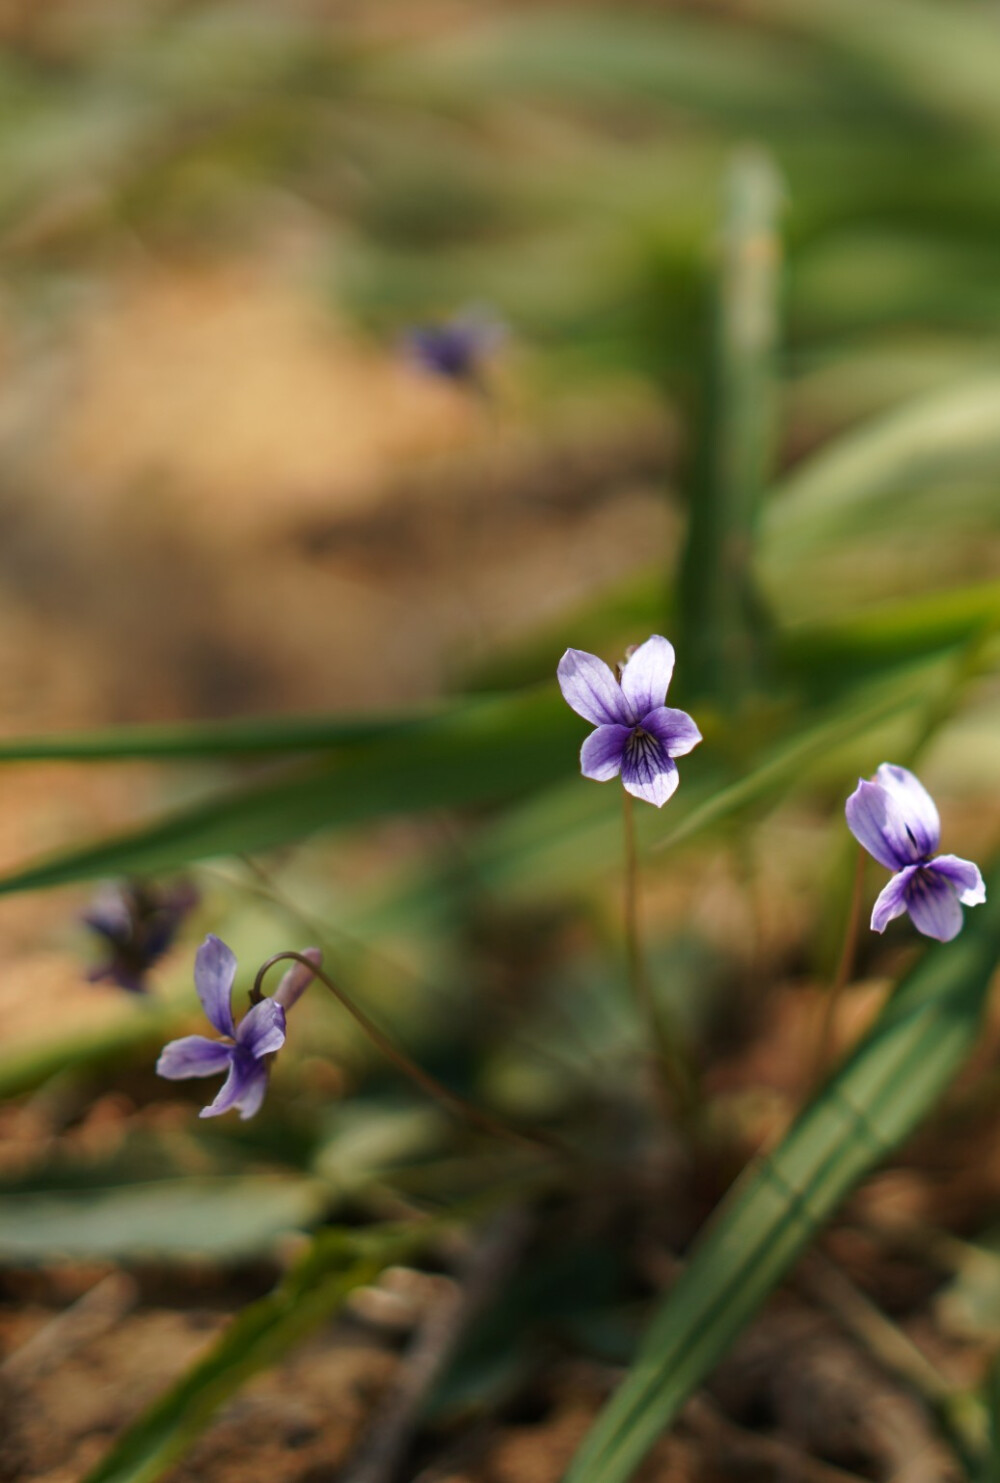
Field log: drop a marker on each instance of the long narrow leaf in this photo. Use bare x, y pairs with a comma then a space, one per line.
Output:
24, 1067
881, 636
335, 1265
721, 619
825, 654
491, 751
572, 834
266, 735
520, 748
890, 1082
943, 435
222, 1218
940, 59
833, 650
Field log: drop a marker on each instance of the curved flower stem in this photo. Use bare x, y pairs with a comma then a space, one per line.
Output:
455, 1104
673, 1073
824, 1048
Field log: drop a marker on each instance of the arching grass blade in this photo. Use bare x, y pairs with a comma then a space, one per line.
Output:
890, 1082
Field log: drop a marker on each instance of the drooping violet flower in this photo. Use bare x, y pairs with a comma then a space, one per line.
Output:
637, 735
457, 348
243, 1054
895, 819
137, 923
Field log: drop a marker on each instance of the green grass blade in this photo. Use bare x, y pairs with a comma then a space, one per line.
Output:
932, 438
849, 648
335, 1265
517, 747
721, 618
942, 60
257, 736
502, 750
572, 834
484, 753
838, 650
890, 1082
592, 58
210, 1218
24, 1067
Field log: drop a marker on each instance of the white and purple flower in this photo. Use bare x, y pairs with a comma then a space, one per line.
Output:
243, 1054
637, 735
895, 819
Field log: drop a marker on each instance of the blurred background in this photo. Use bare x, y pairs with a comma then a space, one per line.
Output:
730, 279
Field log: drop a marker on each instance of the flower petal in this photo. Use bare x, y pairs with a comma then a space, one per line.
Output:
891, 901
262, 1029
256, 1090
591, 689
601, 754
916, 809
674, 730
109, 915
933, 905
239, 1086
874, 823
194, 1055
647, 772
647, 675
964, 876
214, 972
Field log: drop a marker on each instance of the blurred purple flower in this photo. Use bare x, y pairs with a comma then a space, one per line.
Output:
244, 1053
137, 923
895, 819
457, 348
637, 735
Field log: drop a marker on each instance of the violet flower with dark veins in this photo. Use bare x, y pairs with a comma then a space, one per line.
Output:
138, 923
244, 1054
895, 819
637, 735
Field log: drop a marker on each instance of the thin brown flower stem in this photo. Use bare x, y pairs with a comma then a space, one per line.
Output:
672, 1073
429, 1084
824, 1041
327, 935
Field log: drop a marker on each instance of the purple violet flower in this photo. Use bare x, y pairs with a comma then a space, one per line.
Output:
637, 735
895, 819
138, 923
244, 1053
457, 348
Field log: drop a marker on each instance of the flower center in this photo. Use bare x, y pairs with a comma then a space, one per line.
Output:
920, 884
643, 745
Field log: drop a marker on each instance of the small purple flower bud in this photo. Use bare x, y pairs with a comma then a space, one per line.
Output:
895, 819
245, 1052
297, 979
637, 735
138, 923
457, 349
